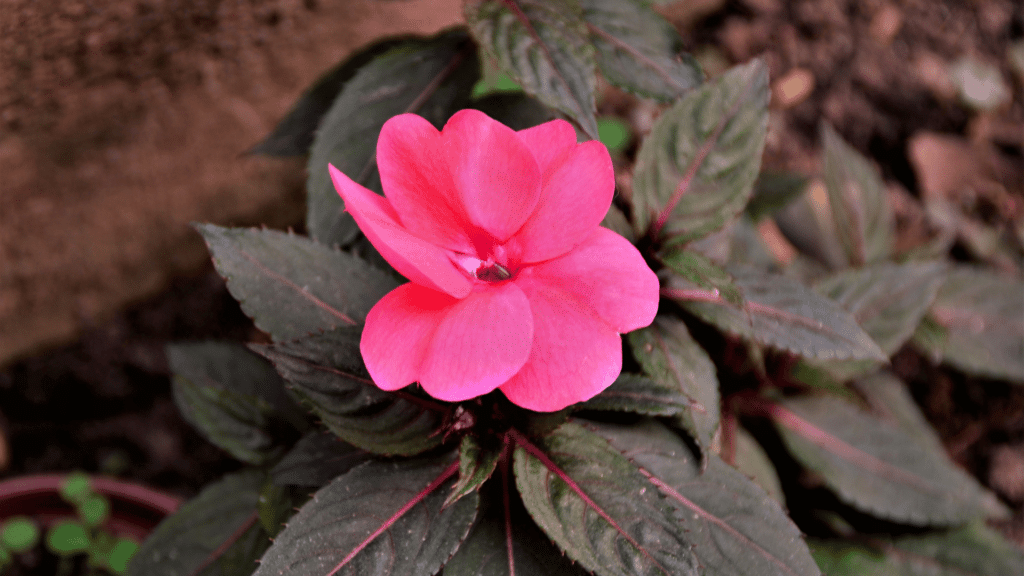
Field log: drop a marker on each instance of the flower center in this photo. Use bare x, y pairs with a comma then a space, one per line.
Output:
492, 272
494, 268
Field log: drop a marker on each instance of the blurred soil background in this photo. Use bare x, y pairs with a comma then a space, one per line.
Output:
122, 121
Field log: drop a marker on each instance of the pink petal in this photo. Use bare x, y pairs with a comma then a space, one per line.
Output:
416, 259
398, 333
417, 181
549, 142
495, 174
576, 195
575, 354
609, 275
480, 343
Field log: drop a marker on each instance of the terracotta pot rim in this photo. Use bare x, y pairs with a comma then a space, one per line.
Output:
126, 491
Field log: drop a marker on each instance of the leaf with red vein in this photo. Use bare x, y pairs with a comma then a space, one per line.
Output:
598, 507
290, 285
379, 519
877, 467
638, 50
544, 46
696, 170
735, 528
784, 314
326, 372
668, 353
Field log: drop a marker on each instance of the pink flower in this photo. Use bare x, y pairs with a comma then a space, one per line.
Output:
514, 284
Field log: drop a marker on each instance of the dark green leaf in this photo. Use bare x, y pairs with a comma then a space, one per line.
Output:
239, 424
859, 201
878, 468
751, 460
700, 271
784, 314
485, 551
640, 51
233, 397
431, 77
978, 324
476, 464
517, 111
887, 300
734, 527
641, 395
316, 459
275, 507
808, 225
380, 518
773, 191
696, 170
543, 45
888, 397
327, 372
598, 507
191, 537
294, 134
668, 353
973, 550
291, 286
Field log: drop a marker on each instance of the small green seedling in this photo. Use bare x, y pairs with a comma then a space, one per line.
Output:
71, 538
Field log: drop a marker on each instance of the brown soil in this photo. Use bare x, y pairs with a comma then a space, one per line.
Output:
121, 122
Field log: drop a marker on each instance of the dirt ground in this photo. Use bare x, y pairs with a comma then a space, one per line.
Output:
121, 122
119, 125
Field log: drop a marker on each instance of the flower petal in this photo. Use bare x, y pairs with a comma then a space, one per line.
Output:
398, 332
495, 174
577, 191
609, 275
575, 354
418, 260
480, 343
550, 142
417, 180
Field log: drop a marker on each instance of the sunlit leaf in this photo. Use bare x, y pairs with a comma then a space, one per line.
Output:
316, 459
543, 45
293, 135
233, 397
784, 314
695, 171
431, 77
734, 527
638, 50
876, 467
887, 300
668, 353
291, 286
598, 507
223, 514
860, 204
977, 324
327, 372
973, 550
379, 519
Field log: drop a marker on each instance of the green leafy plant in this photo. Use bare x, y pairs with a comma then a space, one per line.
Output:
750, 367
82, 537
